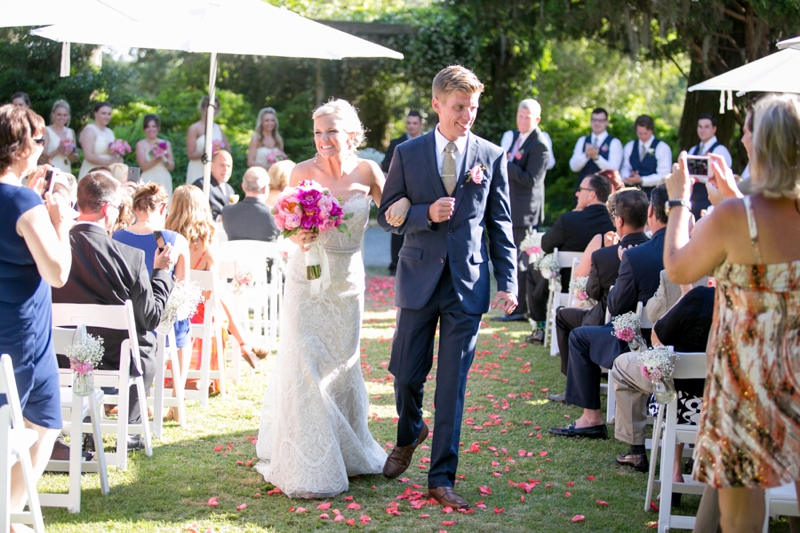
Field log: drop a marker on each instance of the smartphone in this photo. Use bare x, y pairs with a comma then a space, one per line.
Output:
133, 174
699, 167
48, 182
159, 240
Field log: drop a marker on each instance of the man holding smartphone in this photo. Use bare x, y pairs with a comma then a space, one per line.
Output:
707, 131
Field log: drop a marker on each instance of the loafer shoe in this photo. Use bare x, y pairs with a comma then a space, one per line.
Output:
400, 458
135, 442
557, 398
536, 337
447, 497
591, 432
515, 317
637, 461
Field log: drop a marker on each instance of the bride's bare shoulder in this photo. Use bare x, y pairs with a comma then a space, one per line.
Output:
302, 171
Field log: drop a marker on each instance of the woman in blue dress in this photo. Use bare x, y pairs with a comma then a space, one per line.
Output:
150, 207
34, 255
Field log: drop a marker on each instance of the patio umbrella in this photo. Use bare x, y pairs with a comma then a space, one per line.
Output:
794, 42
249, 27
778, 72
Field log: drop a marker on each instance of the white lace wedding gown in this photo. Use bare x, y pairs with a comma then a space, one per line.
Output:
314, 432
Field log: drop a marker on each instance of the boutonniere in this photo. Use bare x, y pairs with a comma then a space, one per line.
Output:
475, 174
518, 155
651, 151
604, 148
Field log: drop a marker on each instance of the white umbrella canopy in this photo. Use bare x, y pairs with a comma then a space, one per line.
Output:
43, 12
794, 42
249, 27
778, 72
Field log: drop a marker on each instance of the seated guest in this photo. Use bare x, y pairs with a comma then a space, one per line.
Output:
685, 327
593, 347
222, 193
571, 232
630, 216
278, 180
251, 218
107, 272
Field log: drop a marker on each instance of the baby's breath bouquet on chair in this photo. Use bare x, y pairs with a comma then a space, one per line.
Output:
243, 277
532, 245
84, 354
658, 363
186, 295
628, 328
550, 269
577, 287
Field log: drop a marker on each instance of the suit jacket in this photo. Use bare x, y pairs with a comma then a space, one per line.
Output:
526, 180
638, 276
605, 267
459, 241
219, 197
249, 219
573, 230
107, 272
387, 159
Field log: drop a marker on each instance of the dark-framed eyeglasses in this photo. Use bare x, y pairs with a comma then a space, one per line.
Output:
585, 189
39, 141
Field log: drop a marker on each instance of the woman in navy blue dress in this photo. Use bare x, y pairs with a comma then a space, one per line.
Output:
150, 207
34, 254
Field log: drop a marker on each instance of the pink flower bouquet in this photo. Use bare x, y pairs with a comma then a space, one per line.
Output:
67, 146
309, 206
119, 147
160, 149
276, 156
218, 144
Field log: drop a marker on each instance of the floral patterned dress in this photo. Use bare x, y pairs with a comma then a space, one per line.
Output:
749, 432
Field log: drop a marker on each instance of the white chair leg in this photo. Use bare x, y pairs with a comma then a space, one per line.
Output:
148, 442
99, 454
177, 385
651, 477
33, 495
158, 387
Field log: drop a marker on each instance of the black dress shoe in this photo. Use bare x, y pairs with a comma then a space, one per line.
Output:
537, 337
515, 317
135, 442
557, 398
591, 432
637, 461
61, 452
88, 442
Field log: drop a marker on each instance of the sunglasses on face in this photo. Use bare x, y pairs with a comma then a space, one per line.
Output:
39, 141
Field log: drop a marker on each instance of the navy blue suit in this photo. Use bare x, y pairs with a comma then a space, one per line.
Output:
443, 276
593, 347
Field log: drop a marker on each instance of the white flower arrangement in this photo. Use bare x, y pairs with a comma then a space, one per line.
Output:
626, 326
532, 244
85, 354
657, 363
549, 266
242, 278
182, 303
577, 287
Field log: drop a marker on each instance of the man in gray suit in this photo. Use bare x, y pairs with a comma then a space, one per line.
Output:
251, 218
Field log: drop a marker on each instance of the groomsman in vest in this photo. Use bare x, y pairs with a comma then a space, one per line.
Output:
647, 160
414, 124
527, 166
707, 131
597, 151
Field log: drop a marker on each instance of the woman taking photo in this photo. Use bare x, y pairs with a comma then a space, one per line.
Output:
154, 155
34, 255
749, 431
266, 144
60, 148
95, 140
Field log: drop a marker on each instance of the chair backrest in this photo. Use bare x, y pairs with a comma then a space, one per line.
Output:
249, 252
117, 317
643, 319
565, 258
690, 365
8, 387
63, 338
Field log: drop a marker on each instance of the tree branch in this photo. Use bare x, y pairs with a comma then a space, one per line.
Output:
733, 14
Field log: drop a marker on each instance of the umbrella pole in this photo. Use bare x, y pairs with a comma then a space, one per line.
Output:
212, 81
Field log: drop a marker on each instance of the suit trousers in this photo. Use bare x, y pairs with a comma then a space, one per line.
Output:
148, 374
522, 268
632, 391
411, 361
567, 319
537, 291
589, 348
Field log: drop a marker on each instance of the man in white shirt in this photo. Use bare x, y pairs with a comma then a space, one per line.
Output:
646, 160
707, 131
597, 151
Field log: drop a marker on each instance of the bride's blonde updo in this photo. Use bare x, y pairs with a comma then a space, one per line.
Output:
350, 123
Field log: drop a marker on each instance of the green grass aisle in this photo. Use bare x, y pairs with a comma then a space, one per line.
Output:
199, 477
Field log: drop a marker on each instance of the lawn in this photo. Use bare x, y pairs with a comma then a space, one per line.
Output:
526, 479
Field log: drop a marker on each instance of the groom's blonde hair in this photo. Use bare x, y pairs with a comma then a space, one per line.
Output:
455, 78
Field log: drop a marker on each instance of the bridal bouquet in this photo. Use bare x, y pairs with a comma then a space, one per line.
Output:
628, 328
159, 149
275, 156
83, 355
309, 206
657, 365
67, 146
182, 304
119, 147
577, 287
532, 245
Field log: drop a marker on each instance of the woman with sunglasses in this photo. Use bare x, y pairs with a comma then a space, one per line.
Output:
34, 255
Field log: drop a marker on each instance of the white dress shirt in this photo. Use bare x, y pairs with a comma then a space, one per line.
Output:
461, 150
506, 141
719, 150
663, 155
613, 161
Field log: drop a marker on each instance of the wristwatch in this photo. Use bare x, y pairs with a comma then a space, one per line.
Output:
669, 204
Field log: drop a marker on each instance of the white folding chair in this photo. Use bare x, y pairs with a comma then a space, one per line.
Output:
159, 398
15, 444
116, 317
780, 501
611, 401
74, 409
557, 298
566, 299
262, 298
687, 366
208, 330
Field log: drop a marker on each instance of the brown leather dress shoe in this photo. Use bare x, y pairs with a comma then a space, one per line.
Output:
447, 497
400, 458
637, 461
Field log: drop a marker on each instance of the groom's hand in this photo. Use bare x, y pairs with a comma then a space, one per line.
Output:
505, 301
442, 209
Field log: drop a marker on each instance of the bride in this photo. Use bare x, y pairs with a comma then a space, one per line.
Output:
314, 433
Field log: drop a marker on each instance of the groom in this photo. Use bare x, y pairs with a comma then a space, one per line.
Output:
457, 187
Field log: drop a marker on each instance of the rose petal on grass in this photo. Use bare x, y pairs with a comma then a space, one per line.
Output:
423, 515
480, 505
324, 506
448, 522
350, 522
365, 519
447, 510
192, 528
241, 507
301, 510
212, 502
590, 478
348, 498
218, 448
602, 503
484, 490
578, 518
339, 518
653, 506
353, 506
570, 483
324, 516
498, 510
567, 494
542, 454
